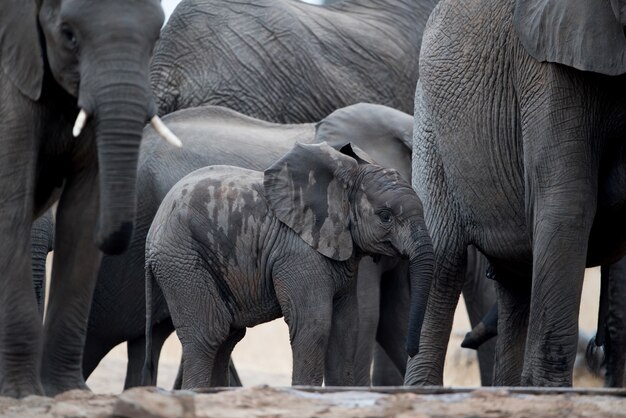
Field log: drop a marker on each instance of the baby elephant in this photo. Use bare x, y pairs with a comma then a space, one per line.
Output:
232, 248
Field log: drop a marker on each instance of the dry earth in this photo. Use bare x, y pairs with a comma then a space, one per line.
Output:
264, 358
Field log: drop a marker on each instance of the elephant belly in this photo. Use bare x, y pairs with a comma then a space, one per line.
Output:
254, 307
475, 124
607, 242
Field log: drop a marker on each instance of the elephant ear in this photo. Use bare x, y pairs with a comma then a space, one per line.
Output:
20, 49
584, 34
308, 191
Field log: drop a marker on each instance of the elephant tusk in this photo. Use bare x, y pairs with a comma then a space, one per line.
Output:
165, 132
81, 119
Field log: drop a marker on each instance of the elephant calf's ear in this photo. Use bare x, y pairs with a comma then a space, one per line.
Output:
20, 50
584, 34
307, 191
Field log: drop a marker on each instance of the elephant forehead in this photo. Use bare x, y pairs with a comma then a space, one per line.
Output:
386, 188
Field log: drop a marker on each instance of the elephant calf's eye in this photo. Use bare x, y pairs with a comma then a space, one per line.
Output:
69, 36
385, 216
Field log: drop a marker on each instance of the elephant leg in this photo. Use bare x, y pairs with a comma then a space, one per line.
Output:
561, 202
221, 368
233, 376
385, 372
616, 326
368, 291
136, 349
309, 322
74, 272
341, 349
20, 321
486, 329
513, 309
95, 350
480, 296
392, 327
426, 367
178, 381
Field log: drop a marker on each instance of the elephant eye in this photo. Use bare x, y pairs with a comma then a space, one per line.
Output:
69, 36
385, 216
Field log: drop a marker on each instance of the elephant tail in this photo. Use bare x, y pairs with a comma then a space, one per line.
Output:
148, 366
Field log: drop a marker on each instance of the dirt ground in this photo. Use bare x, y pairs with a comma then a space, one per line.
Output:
263, 360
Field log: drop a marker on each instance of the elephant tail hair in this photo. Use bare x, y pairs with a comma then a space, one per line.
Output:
148, 366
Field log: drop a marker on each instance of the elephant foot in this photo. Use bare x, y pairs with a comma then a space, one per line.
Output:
556, 380
422, 375
57, 386
20, 388
595, 358
478, 336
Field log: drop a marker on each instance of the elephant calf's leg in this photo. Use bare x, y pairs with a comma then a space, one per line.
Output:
341, 350
309, 330
221, 369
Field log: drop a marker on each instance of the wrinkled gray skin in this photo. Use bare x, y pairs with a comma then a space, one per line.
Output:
606, 352
42, 239
57, 56
231, 248
287, 61
215, 135
526, 161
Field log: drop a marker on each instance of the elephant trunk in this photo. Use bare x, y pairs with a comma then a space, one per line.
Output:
421, 266
119, 107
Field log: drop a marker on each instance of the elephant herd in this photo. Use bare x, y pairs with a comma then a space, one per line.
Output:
280, 191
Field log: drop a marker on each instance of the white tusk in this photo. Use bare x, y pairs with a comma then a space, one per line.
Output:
165, 132
81, 119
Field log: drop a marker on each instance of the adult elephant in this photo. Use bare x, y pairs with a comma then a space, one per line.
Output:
56, 57
519, 150
288, 61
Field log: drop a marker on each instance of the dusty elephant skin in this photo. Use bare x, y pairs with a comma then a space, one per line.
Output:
231, 248
545, 143
56, 57
287, 61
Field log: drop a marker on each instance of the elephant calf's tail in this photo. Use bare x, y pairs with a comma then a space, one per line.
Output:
148, 366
